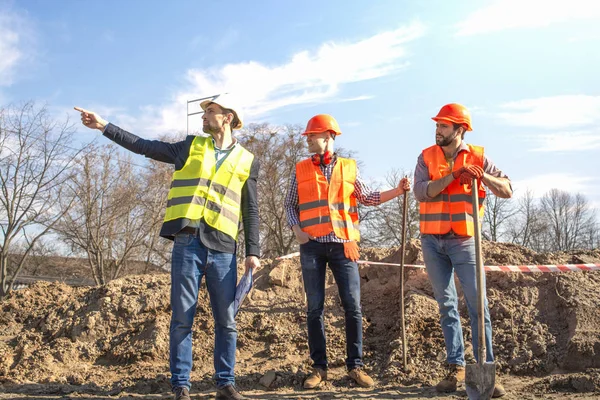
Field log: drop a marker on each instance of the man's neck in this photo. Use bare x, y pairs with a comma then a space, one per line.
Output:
451, 149
223, 140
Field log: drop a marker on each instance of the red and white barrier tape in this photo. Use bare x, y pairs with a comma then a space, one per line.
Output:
502, 268
291, 255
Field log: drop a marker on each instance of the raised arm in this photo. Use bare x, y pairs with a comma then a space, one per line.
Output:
172, 153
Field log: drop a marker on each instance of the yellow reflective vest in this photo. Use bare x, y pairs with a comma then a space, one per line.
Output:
198, 190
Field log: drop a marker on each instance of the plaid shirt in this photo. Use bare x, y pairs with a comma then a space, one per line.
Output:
362, 192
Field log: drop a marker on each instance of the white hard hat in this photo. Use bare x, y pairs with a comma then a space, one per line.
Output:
228, 101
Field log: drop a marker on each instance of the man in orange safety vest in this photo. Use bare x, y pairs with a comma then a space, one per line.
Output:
321, 208
443, 180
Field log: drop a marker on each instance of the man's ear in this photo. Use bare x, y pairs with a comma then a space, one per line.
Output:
229, 117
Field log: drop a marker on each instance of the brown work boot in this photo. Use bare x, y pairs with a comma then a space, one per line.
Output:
361, 377
229, 393
455, 374
315, 378
181, 393
498, 390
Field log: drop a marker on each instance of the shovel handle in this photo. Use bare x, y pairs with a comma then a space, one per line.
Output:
480, 272
402, 246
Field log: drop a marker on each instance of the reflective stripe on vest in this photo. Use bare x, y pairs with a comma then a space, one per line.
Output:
327, 207
197, 191
451, 209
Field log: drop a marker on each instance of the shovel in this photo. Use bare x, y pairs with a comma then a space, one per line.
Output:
480, 378
404, 344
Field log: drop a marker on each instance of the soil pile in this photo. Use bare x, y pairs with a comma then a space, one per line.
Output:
58, 339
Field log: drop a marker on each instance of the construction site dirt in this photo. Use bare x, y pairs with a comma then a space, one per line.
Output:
112, 341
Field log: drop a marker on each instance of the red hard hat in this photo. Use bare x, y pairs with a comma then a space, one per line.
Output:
455, 113
322, 123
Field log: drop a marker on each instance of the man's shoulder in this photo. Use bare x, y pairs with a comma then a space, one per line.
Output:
474, 148
191, 138
304, 161
432, 147
431, 150
346, 160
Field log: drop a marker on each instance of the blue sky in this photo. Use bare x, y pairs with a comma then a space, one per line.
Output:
527, 69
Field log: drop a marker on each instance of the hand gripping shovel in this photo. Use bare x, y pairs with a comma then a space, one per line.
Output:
480, 378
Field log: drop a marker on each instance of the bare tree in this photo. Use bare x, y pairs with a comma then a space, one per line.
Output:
34, 163
497, 212
591, 235
527, 224
40, 256
382, 225
278, 149
568, 216
156, 178
107, 221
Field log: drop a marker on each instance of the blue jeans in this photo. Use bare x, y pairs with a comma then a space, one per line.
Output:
443, 256
314, 257
191, 261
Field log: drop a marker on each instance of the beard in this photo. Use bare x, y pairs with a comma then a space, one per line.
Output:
445, 141
210, 129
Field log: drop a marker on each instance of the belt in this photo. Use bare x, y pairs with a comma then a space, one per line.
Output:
449, 235
189, 229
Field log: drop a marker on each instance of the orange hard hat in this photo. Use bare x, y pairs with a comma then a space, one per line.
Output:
455, 113
322, 123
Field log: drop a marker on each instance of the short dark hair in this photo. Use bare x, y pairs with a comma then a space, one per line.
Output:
456, 126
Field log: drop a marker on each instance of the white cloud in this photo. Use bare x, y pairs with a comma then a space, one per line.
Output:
10, 49
308, 77
16, 48
357, 98
511, 14
555, 112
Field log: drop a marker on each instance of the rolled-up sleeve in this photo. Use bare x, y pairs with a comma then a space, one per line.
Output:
421, 179
364, 194
490, 168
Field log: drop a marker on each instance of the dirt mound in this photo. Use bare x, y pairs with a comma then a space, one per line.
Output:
573, 383
115, 338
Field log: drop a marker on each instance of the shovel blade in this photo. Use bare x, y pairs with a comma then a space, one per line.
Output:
480, 380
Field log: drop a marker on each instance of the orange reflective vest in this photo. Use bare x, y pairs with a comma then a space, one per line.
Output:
328, 207
452, 208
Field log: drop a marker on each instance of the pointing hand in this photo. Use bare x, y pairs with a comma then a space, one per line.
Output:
91, 119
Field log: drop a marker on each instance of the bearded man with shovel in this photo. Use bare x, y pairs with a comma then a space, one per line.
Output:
443, 185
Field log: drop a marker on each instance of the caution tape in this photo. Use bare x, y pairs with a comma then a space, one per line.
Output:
491, 268
545, 268
291, 255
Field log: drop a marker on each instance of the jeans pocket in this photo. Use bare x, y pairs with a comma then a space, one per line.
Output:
184, 239
304, 245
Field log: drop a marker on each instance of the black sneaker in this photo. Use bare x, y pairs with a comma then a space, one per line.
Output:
229, 393
181, 393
